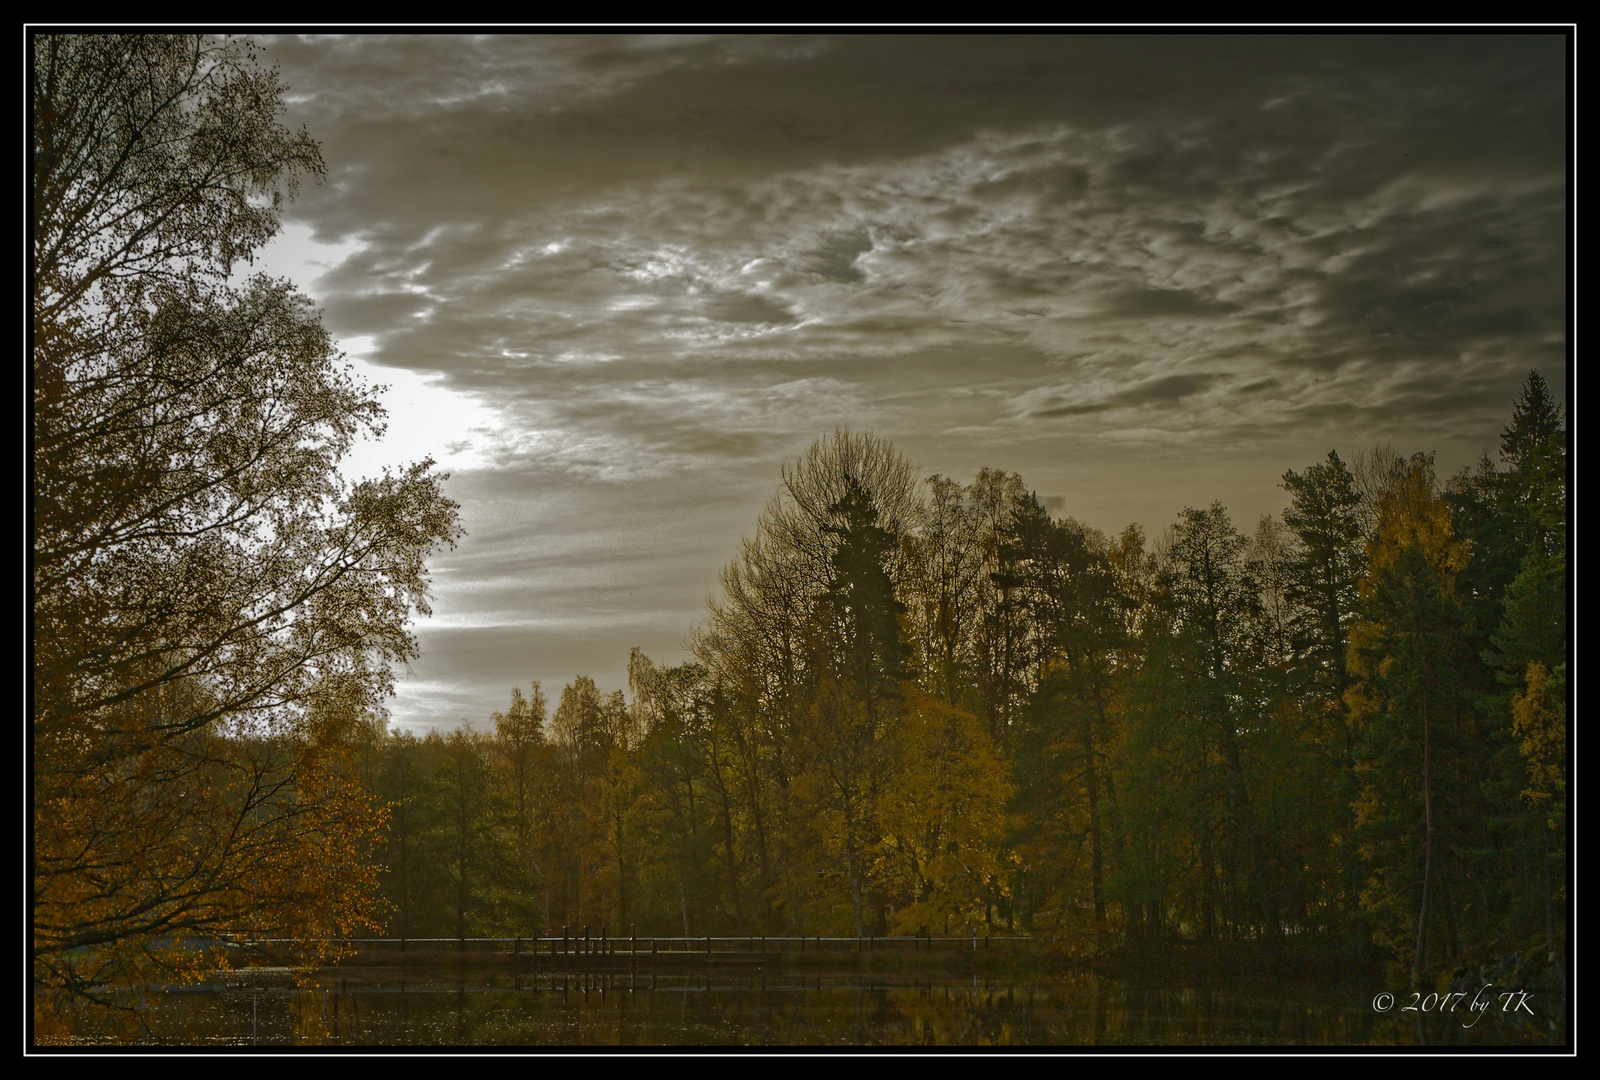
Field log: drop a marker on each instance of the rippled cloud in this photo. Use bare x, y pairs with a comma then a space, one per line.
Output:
666, 264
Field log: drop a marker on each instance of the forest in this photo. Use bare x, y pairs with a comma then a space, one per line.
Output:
919, 705
928, 707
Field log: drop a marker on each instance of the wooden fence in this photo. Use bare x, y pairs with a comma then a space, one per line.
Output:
584, 948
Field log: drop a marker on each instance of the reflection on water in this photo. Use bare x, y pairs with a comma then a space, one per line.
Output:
447, 1008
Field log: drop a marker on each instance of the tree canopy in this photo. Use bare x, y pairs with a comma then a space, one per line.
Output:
938, 709
216, 611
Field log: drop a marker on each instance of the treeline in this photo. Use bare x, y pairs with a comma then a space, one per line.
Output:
923, 706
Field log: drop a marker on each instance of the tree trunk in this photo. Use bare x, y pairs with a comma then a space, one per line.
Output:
1427, 843
1096, 865
683, 903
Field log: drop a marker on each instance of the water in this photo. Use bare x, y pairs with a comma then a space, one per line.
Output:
474, 1007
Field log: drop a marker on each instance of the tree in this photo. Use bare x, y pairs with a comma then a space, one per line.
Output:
943, 589
1215, 601
685, 803
1408, 652
1325, 567
1522, 629
517, 746
410, 880
475, 843
943, 817
1001, 646
150, 155
594, 738
858, 662
216, 612
520, 754
1535, 429
861, 596
1323, 574
804, 651
587, 726
1270, 554
1062, 573
1534, 496
1540, 720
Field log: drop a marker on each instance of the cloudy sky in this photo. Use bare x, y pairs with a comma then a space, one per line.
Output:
614, 282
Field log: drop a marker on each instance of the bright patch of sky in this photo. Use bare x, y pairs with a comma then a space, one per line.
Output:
426, 416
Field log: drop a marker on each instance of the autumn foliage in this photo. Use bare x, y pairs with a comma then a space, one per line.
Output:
937, 709
215, 610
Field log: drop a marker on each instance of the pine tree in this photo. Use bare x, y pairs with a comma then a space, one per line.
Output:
1324, 574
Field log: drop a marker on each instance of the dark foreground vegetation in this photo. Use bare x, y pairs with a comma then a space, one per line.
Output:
920, 707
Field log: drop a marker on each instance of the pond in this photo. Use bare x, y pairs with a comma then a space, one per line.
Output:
473, 1007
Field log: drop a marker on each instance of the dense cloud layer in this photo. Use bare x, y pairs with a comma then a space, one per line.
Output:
1144, 272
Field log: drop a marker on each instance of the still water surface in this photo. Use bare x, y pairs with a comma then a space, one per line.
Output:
377, 1007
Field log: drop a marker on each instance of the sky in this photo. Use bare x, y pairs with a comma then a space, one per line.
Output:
613, 283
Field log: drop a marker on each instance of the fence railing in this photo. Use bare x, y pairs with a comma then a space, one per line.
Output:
583, 943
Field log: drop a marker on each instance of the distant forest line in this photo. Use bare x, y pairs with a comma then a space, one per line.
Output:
927, 707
